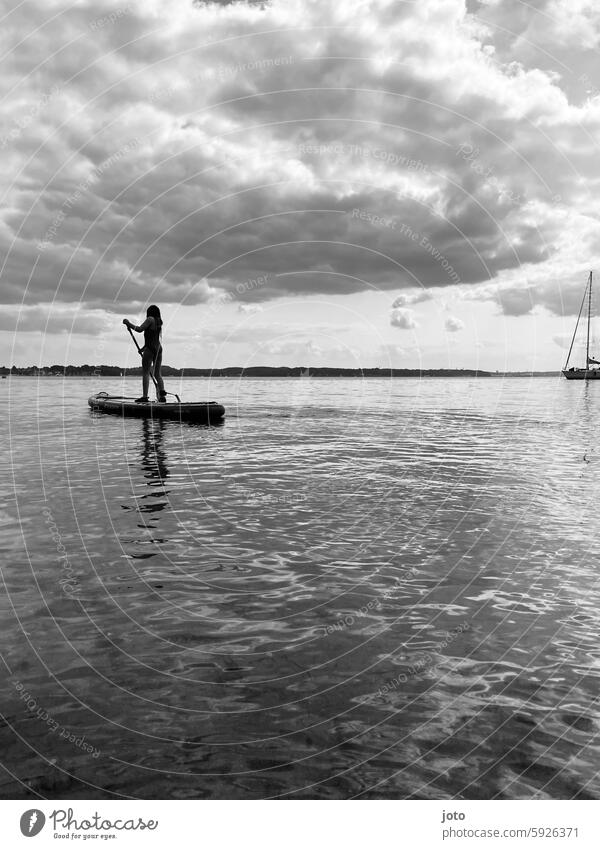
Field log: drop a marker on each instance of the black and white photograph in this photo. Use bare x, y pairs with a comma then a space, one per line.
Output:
300, 476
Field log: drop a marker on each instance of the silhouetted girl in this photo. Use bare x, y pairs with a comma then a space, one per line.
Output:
151, 352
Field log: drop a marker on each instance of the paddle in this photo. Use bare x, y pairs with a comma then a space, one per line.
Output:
152, 372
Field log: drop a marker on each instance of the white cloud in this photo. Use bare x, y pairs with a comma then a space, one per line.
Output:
563, 340
453, 324
406, 299
404, 319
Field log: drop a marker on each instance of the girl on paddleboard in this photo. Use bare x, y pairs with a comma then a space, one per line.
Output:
151, 352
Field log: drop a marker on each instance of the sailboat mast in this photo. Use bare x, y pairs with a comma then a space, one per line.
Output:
577, 324
587, 350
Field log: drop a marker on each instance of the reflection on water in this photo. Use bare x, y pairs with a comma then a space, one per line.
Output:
352, 588
155, 471
154, 459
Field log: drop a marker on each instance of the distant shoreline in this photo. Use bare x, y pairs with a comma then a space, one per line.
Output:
262, 371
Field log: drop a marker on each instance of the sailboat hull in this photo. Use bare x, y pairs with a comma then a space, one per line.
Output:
582, 374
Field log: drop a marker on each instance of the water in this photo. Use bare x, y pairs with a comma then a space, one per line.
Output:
376, 589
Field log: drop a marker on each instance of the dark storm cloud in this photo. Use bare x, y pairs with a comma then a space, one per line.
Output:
559, 296
176, 157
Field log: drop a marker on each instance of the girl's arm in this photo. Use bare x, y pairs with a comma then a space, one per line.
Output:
142, 327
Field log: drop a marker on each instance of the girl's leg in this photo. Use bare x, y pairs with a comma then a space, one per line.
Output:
146, 369
157, 372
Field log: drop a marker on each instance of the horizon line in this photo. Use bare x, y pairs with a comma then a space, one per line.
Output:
133, 370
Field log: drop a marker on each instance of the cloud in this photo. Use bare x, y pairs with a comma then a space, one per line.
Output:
250, 309
404, 319
516, 301
408, 298
563, 340
453, 324
139, 167
49, 319
553, 24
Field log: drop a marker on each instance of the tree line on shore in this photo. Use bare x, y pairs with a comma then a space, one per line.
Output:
237, 371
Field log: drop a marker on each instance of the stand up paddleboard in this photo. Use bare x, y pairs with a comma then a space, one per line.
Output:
207, 412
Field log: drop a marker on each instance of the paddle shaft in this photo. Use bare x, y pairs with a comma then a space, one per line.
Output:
140, 353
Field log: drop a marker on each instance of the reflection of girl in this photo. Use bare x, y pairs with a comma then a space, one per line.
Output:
151, 352
154, 458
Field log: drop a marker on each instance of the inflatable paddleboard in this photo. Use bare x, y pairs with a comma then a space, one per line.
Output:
207, 412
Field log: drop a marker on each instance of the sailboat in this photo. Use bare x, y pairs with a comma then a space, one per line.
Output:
585, 373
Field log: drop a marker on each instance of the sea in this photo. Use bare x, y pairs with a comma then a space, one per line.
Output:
352, 588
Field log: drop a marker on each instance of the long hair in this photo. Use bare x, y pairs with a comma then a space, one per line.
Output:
154, 311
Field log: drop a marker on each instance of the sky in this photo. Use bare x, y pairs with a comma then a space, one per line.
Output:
298, 182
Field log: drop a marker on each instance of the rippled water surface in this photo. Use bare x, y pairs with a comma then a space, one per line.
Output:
382, 589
